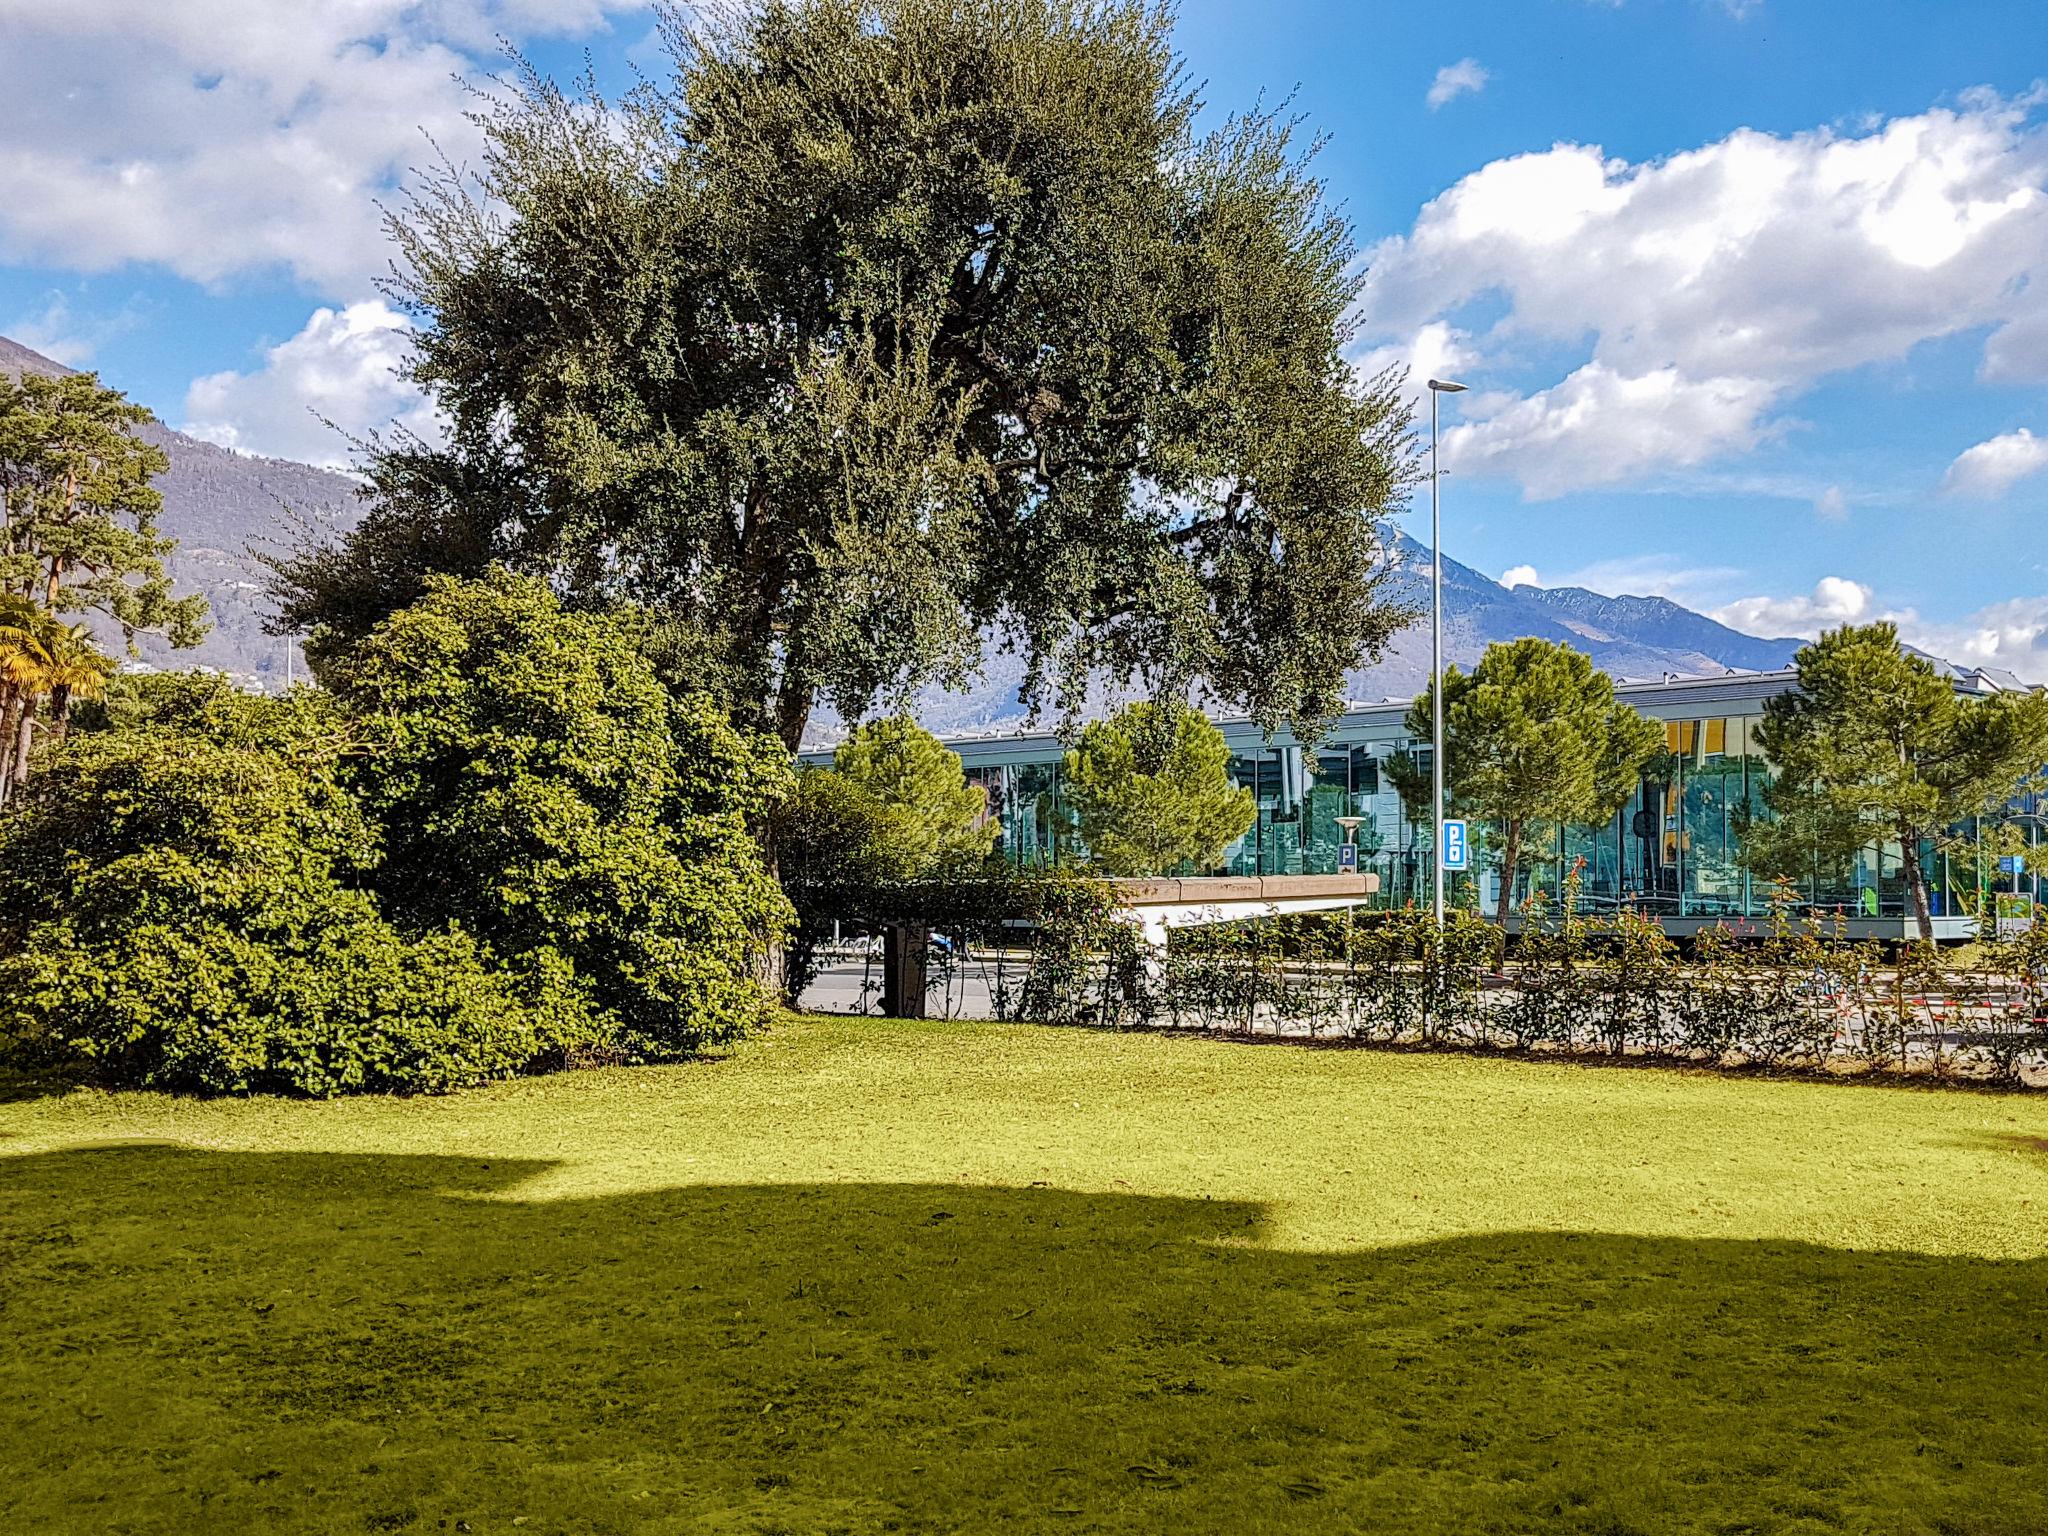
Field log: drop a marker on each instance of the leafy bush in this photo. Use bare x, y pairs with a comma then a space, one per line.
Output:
535, 785
495, 842
173, 915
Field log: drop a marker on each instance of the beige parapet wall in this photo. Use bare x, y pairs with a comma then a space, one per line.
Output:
1336, 890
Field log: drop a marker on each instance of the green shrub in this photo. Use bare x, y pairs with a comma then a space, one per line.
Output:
173, 914
535, 785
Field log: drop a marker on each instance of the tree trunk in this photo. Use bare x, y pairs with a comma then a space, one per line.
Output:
792, 713
10, 720
1510, 867
1916, 883
27, 734
906, 948
60, 713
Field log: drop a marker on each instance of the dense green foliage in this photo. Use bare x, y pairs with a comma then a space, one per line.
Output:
1533, 735
176, 912
77, 535
1151, 789
946, 1275
498, 843
908, 772
880, 326
832, 834
1877, 745
535, 784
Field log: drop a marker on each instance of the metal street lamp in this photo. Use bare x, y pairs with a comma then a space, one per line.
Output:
1437, 387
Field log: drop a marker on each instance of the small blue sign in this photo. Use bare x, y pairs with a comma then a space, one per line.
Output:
1347, 858
2012, 864
1456, 851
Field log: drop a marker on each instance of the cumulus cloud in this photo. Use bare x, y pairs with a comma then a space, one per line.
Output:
1687, 300
1831, 506
1435, 351
1467, 77
1835, 600
337, 378
2012, 635
1990, 469
1599, 427
237, 135
1519, 576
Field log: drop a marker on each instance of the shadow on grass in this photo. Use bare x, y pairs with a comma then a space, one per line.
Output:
313, 1342
19, 1087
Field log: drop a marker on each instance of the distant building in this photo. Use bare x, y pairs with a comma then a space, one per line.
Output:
1672, 852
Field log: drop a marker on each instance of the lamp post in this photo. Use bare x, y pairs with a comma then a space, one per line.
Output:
1437, 387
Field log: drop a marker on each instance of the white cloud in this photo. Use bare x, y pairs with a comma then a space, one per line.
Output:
1466, 77
1435, 351
339, 369
1835, 600
2012, 635
1651, 576
64, 335
1831, 506
1519, 576
238, 134
1598, 427
1689, 299
1990, 469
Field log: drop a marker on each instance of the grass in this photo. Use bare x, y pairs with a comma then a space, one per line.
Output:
868, 1277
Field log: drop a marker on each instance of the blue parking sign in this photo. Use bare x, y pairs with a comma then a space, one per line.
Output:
1456, 851
1347, 858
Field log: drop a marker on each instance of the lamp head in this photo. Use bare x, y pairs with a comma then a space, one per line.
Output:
1446, 387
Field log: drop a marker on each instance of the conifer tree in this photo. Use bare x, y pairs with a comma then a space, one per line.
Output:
1875, 745
78, 536
1532, 735
78, 510
1151, 789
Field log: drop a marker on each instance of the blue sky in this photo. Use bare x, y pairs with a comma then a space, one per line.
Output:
1753, 298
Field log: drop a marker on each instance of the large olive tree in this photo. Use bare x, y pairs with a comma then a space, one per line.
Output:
878, 330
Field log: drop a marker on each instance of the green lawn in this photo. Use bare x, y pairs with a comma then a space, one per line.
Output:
871, 1276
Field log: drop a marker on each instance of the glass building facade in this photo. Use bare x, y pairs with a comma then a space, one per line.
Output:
1672, 851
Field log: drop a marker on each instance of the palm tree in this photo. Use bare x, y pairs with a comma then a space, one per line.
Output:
23, 658
40, 655
77, 669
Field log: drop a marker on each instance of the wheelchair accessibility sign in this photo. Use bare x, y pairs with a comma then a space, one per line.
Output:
1457, 851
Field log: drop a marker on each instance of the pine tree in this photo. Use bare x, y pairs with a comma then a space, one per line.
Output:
918, 782
1152, 790
1532, 735
78, 535
78, 510
1876, 745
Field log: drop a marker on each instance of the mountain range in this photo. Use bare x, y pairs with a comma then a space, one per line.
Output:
224, 507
